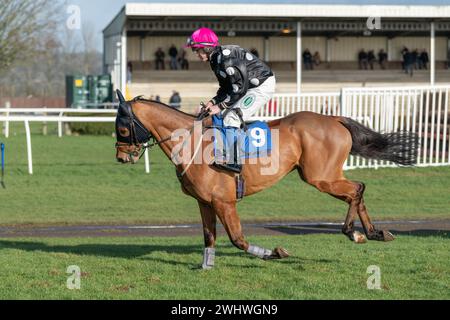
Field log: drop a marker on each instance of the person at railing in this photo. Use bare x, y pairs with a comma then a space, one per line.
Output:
173, 54
307, 60
363, 59
159, 59
317, 59
404, 52
182, 59
371, 58
423, 60
382, 58
175, 100
409, 62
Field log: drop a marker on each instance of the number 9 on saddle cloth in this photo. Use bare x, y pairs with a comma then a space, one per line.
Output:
233, 145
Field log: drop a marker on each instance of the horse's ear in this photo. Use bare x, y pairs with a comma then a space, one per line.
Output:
120, 96
124, 107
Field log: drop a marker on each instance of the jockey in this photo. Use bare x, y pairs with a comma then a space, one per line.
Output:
246, 83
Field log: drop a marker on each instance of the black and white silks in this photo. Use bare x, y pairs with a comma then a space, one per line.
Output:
237, 71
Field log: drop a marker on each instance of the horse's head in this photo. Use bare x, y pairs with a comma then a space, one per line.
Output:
131, 134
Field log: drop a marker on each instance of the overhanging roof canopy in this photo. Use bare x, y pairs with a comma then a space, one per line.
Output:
285, 10
175, 18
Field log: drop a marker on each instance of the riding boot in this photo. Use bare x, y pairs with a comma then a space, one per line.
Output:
234, 165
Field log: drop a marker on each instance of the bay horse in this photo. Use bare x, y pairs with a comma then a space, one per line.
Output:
315, 145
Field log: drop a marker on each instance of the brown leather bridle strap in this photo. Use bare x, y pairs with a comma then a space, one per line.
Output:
204, 114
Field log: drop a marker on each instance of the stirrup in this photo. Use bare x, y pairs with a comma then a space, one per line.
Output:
237, 168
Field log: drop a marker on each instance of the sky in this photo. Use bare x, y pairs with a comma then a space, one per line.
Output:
100, 12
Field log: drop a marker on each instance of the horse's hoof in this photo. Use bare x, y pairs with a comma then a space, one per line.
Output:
206, 267
381, 235
358, 237
277, 253
387, 236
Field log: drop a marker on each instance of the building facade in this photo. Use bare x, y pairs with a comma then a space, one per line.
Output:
279, 32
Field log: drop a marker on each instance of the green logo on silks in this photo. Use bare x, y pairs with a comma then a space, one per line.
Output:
248, 101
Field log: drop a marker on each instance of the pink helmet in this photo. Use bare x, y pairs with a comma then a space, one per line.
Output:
203, 38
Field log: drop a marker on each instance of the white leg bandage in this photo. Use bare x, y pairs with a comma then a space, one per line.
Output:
208, 258
259, 252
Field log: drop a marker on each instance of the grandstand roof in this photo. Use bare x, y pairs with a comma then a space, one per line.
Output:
288, 9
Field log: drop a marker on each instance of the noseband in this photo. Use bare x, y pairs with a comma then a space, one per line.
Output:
138, 134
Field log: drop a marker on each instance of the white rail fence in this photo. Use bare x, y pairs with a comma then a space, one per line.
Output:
54, 114
424, 110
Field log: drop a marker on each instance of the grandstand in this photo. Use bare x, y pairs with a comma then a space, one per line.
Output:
280, 33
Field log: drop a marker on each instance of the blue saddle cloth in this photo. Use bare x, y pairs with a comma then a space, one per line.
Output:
256, 142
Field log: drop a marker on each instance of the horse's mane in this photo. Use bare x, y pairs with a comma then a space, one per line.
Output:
142, 99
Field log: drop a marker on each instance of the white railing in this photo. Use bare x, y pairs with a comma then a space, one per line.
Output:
282, 105
60, 118
41, 114
423, 110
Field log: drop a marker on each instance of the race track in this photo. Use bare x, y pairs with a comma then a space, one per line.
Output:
421, 227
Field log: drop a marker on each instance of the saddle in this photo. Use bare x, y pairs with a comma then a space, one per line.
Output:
232, 146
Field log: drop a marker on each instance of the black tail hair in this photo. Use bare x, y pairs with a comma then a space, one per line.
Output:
399, 147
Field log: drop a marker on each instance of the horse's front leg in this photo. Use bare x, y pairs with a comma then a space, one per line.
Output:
227, 213
209, 233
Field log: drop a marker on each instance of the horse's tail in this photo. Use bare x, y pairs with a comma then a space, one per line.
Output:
399, 147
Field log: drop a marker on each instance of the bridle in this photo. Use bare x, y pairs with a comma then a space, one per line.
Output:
139, 135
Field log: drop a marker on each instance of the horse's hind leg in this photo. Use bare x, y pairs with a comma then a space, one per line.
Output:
369, 229
350, 192
226, 211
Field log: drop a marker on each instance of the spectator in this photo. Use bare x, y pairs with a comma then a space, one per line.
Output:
129, 72
158, 98
307, 60
254, 52
408, 60
371, 58
175, 100
382, 59
183, 61
362, 59
316, 58
173, 54
159, 59
423, 58
404, 52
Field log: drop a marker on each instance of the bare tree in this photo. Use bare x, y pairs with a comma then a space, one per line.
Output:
23, 23
37, 49
89, 41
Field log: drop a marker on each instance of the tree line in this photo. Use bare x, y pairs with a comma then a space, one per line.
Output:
37, 49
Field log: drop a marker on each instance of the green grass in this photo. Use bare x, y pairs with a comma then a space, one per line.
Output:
76, 180
321, 267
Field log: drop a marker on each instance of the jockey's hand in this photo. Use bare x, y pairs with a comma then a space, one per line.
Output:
213, 109
200, 107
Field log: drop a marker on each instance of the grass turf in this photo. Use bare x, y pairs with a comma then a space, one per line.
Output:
77, 181
321, 267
